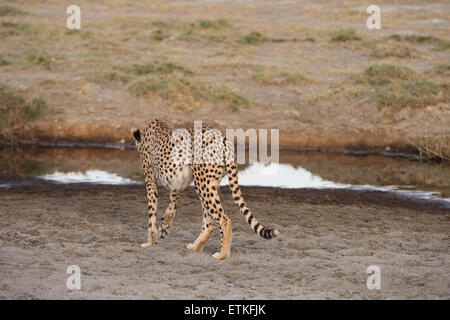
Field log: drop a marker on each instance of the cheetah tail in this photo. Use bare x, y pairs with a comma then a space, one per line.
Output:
266, 233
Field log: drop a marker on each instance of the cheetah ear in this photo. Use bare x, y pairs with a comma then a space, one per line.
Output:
136, 134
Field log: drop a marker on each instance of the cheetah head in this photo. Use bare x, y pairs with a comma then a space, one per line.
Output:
137, 138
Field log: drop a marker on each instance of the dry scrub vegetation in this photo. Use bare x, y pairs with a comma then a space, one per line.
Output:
16, 112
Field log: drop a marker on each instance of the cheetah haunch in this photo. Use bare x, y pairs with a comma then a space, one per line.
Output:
176, 157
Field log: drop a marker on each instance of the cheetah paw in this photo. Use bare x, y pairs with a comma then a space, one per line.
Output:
220, 256
193, 247
146, 244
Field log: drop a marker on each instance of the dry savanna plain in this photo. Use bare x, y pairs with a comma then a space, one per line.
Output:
310, 68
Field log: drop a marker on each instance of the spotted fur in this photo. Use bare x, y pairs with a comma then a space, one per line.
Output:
176, 157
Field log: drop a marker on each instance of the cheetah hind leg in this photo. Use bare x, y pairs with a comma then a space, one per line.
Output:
166, 224
207, 229
169, 215
218, 215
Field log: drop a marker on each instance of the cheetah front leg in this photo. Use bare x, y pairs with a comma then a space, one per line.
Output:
169, 215
207, 229
152, 199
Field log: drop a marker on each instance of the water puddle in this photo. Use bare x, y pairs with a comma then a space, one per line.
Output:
295, 170
90, 176
282, 176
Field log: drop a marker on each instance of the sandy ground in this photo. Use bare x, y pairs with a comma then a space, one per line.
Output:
328, 239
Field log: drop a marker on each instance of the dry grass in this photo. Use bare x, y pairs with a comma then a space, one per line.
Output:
174, 82
9, 28
254, 37
436, 149
277, 78
344, 35
3, 61
156, 66
15, 111
440, 43
43, 60
195, 30
6, 10
442, 69
384, 50
390, 86
187, 91
399, 87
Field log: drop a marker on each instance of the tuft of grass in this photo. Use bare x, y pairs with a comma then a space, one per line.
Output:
49, 82
164, 67
381, 74
196, 30
9, 28
281, 40
398, 87
389, 50
115, 76
3, 61
40, 59
170, 23
266, 77
6, 10
126, 73
254, 37
159, 35
441, 44
85, 35
229, 97
442, 69
15, 111
220, 23
175, 87
344, 35
413, 94
35, 109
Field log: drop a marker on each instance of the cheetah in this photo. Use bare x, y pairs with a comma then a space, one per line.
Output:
174, 158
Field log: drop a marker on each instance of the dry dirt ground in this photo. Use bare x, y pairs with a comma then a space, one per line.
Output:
328, 239
294, 76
